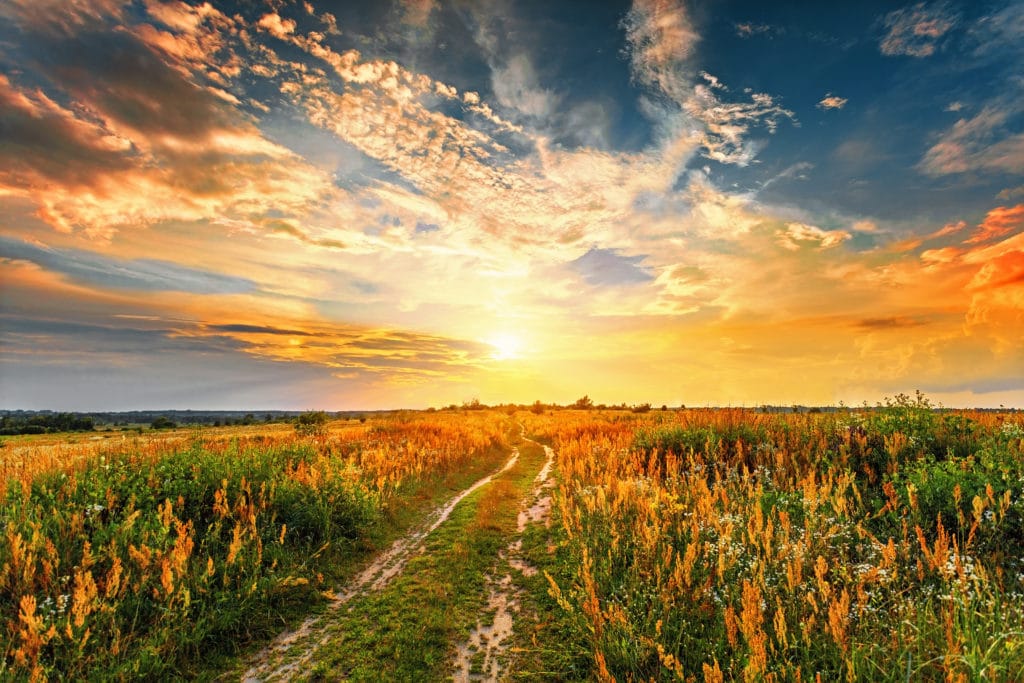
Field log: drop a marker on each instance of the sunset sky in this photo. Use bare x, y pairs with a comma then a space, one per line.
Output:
344, 205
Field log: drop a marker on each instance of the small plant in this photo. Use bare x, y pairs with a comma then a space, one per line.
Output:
311, 423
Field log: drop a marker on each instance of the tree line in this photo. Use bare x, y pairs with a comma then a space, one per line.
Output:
45, 423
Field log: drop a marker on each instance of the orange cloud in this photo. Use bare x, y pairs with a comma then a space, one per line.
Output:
276, 26
998, 222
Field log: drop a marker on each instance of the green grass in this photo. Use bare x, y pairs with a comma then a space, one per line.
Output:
407, 631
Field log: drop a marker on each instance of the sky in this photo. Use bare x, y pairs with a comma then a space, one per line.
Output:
266, 204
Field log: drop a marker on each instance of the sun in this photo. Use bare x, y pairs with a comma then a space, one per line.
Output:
506, 346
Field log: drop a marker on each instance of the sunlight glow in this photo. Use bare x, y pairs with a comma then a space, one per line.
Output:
506, 347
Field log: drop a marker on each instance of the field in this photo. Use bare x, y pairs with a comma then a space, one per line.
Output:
708, 545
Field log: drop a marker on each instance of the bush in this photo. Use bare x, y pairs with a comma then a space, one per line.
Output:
163, 423
312, 423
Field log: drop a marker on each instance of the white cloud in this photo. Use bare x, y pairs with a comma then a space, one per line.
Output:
661, 39
728, 124
516, 86
865, 226
796, 235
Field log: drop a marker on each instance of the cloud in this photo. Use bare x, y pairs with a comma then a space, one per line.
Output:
141, 139
256, 329
984, 142
831, 101
417, 12
998, 222
136, 274
728, 124
74, 343
916, 31
941, 256
61, 17
43, 140
515, 81
276, 26
866, 227
476, 174
1010, 193
371, 352
749, 29
516, 86
80, 327
1001, 32
426, 205
607, 267
795, 235
797, 171
889, 323
661, 38
1003, 271
284, 227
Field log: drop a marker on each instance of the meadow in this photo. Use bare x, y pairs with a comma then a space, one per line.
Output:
150, 556
882, 543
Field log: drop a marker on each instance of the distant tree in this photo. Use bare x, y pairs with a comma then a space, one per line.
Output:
537, 407
664, 407
583, 403
311, 423
46, 423
642, 408
163, 422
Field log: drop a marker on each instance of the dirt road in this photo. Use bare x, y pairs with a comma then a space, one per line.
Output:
290, 654
482, 657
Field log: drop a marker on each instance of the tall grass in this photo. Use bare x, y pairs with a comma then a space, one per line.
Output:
733, 545
145, 561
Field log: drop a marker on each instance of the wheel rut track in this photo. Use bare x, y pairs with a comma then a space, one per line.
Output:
492, 638
290, 653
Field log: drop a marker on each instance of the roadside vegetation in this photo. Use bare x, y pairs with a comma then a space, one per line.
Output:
872, 545
146, 561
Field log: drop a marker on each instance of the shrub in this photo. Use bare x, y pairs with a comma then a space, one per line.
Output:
311, 423
163, 422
